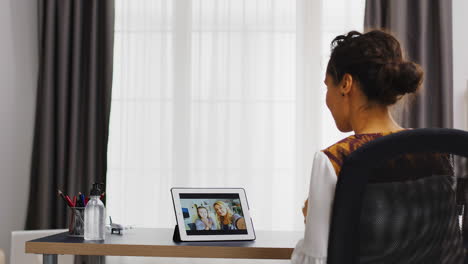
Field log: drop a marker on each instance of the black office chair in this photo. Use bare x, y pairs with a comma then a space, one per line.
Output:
462, 195
395, 201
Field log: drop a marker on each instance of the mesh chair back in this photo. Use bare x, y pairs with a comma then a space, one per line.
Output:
410, 222
395, 201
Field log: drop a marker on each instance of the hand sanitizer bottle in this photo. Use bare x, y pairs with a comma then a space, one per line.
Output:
95, 215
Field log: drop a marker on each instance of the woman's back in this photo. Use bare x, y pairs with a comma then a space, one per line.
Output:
338, 152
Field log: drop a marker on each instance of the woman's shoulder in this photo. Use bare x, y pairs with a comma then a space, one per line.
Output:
236, 216
337, 152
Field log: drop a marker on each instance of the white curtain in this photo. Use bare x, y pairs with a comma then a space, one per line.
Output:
220, 93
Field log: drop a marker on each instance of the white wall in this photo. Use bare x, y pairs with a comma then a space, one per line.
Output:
18, 75
460, 64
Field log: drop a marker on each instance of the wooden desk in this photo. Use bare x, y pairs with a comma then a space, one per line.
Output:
149, 242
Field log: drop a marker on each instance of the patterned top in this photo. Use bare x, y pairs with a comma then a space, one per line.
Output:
406, 167
341, 149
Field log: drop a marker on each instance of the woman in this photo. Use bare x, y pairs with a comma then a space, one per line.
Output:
204, 222
365, 75
227, 220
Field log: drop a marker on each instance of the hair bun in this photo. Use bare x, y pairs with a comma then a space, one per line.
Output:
399, 78
376, 60
410, 78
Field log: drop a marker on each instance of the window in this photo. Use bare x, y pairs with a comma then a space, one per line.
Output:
208, 93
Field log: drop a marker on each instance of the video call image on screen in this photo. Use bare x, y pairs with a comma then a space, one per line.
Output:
212, 214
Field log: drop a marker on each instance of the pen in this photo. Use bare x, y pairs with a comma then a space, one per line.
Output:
67, 201
78, 200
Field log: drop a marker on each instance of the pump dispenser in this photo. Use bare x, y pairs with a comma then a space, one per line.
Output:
95, 215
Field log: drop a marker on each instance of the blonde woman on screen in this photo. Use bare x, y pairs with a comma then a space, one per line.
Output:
227, 219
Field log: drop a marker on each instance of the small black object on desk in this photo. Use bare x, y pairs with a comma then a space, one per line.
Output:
115, 227
176, 236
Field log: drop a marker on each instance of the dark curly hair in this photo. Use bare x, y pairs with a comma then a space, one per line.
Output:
375, 60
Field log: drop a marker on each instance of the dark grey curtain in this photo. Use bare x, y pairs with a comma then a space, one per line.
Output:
73, 104
424, 28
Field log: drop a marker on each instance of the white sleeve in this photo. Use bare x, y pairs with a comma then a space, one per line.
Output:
313, 248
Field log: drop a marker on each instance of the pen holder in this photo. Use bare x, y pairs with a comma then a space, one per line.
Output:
76, 225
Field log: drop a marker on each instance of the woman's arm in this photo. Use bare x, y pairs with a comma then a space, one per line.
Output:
240, 223
213, 224
313, 248
199, 225
304, 209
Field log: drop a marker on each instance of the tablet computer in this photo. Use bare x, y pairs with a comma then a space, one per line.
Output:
212, 214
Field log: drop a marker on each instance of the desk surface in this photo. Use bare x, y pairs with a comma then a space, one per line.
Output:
157, 242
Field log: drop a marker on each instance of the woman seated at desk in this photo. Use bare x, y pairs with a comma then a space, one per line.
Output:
365, 75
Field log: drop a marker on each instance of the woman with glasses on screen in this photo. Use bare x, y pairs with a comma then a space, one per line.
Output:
365, 75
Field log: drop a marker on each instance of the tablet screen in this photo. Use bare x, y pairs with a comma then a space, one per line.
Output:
212, 214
